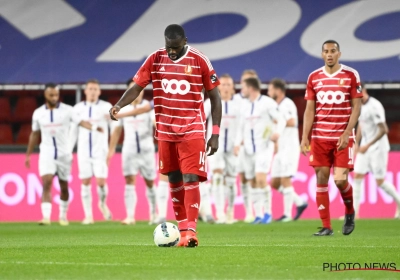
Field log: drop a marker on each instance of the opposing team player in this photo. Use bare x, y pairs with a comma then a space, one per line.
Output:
93, 149
137, 155
178, 73
333, 106
373, 152
52, 123
223, 163
244, 184
261, 125
286, 160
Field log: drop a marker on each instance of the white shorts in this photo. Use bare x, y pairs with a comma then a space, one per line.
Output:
224, 161
285, 164
60, 166
259, 162
240, 160
145, 163
89, 167
374, 161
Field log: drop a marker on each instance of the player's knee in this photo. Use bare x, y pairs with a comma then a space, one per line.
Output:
341, 184
175, 176
380, 181
130, 180
101, 182
187, 178
86, 182
275, 183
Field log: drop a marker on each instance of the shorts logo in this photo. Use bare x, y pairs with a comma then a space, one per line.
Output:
196, 205
174, 86
331, 97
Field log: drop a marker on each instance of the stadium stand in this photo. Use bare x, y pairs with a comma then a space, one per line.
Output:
24, 109
6, 134
5, 110
23, 134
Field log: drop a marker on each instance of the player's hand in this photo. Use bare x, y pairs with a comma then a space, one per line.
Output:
100, 129
109, 156
363, 149
28, 162
305, 146
343, 141
114, 111
212, 145
236, 150
274, 137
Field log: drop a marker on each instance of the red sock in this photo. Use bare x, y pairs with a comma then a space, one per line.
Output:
323, 205
192, 203
178, 203
347, 196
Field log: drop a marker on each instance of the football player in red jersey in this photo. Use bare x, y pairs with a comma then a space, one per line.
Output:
178, 73
333, 106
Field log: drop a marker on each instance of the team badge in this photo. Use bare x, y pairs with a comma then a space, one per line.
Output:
161, 165
341, 82
188, 69
213, 78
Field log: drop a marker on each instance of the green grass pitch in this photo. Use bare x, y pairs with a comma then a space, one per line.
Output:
109, 250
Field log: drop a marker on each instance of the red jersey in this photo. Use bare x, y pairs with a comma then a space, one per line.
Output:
177, 90
332, 95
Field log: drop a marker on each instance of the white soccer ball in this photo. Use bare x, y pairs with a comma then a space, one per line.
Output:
166, 235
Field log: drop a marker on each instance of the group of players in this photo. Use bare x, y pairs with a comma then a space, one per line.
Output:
248, 133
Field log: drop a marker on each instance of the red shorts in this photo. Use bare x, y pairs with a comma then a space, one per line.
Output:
325, 153
188, 156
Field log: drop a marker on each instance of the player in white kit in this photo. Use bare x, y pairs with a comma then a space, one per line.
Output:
52, 123
260, 126
244, 184
286, 159
373, 151
93, 149
223, 163
137, 156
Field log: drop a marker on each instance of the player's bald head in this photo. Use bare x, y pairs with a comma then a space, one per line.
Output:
174, 31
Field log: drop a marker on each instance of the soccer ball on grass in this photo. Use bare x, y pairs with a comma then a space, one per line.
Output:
166, 235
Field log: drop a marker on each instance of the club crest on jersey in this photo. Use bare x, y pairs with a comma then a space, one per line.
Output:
341, 82
213, 78
188, 69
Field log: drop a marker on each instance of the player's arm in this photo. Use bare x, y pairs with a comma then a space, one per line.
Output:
89, 126
127, 98
279, 121
291, 122
33, 141
137, 111
115, 135
216, 114
383, 129
308, 121
239, 135
355, 114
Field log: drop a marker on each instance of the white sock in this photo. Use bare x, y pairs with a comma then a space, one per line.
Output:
267, 199
219, 195
151, 198
257, 200
205, 206
247, 201
102, 192
63, 209
46, 210
296, 198
390, 190
86, 196
162, 199
130, 201
288, 201
231, 191
357, 191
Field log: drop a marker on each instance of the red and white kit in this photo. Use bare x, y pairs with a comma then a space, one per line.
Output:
178, 106
332, 94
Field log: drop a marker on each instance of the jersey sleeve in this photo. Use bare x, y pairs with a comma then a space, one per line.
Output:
207, 108
76, 116
209, 77
152, 116
378, 115
355, 90
310, 92
35, 122
143, 75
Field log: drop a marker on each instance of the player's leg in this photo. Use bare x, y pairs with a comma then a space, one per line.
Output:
100, 170
361, 168
245, 187
205, 206
85, 174
192, 161
262, 168
254, 193
63, 172
379, 160
276, 183
216, 162
322, 158
230, 185
47, 181
343, 163
129, 170
169, 165
147, 168
162, 198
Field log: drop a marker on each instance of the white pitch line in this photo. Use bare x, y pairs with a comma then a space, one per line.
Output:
67, 263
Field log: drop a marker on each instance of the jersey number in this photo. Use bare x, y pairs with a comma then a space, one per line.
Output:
351, 155
202, 158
